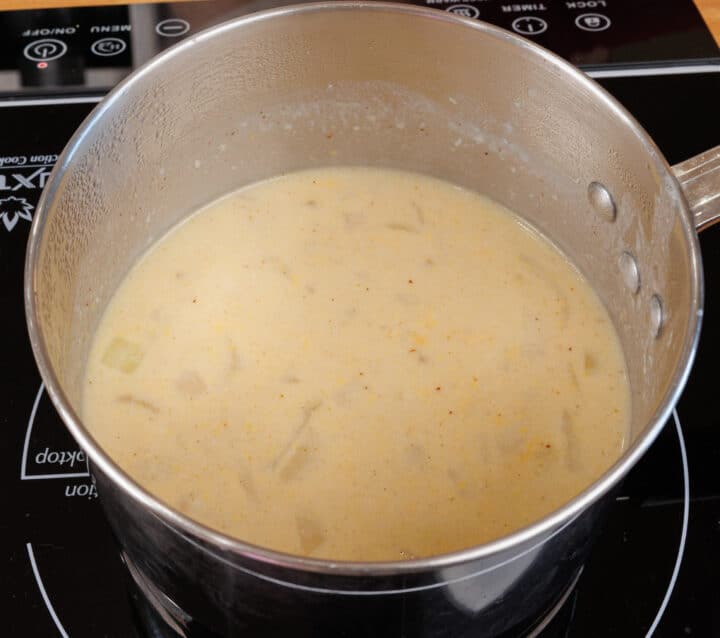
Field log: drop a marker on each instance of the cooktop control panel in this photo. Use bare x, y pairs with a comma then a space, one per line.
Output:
91, 49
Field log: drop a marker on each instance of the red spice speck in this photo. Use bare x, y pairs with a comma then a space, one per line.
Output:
410, 281
438, 388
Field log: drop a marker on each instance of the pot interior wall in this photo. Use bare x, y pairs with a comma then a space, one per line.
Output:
365, 88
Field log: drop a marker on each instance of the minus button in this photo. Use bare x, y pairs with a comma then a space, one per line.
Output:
172, 27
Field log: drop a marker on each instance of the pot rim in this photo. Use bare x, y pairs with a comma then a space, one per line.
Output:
185, 525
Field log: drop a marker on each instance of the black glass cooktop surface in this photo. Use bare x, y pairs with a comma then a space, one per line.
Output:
654, 568
63, 575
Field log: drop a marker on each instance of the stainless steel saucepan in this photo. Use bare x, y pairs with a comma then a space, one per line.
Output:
383, 85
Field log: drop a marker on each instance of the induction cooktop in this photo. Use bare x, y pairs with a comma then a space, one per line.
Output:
654, 568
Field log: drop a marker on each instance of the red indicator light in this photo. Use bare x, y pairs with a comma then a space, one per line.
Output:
42, 65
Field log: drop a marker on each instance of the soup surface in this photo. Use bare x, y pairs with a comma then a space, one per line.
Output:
358, 364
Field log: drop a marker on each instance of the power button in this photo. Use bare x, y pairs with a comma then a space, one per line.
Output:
45, 50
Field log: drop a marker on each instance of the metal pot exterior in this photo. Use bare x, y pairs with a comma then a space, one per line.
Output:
192, 583
363, 84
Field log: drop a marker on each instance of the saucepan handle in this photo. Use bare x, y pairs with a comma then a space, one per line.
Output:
699, 177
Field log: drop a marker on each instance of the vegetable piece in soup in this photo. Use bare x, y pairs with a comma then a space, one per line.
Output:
358, 364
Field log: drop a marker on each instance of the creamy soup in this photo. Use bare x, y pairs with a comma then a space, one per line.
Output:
358, 364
